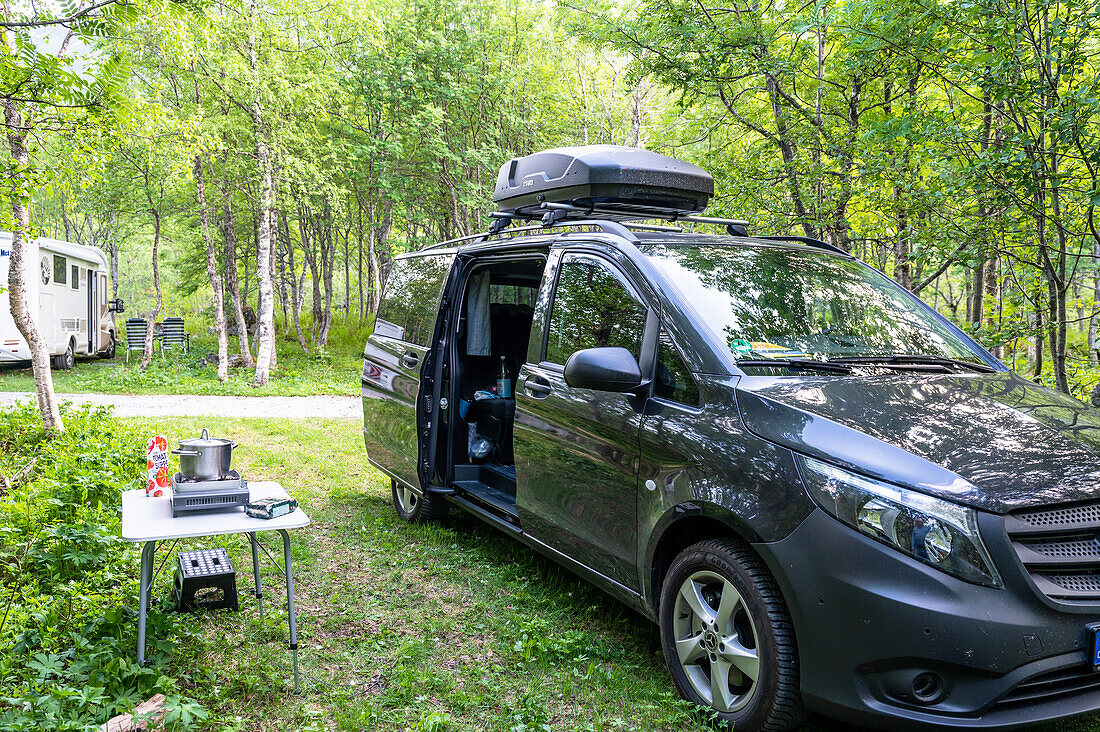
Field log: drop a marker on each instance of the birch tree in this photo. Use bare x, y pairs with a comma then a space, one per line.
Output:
212, 271
265, 326
41, 90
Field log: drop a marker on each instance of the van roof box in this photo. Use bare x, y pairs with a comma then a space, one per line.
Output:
612, 178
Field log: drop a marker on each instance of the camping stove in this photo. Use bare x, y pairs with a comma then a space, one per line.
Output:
225, 494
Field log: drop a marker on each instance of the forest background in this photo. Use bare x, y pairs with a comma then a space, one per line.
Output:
274, 155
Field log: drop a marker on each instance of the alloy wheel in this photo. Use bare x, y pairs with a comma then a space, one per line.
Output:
407, 498
716, 641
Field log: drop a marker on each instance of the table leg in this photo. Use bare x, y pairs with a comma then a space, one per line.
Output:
290, 607
145, 589
256, 571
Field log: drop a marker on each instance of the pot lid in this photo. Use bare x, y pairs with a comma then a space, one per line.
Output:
205, 441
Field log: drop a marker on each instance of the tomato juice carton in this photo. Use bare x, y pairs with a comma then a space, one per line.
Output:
159, 475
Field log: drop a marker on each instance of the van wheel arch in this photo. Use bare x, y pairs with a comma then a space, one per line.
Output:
682, 533
109, 351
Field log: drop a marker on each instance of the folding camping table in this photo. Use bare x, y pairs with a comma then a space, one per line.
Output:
149, 521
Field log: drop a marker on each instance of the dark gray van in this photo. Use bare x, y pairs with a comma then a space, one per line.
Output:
827, 496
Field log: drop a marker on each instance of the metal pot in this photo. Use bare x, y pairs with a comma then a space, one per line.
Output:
206, 457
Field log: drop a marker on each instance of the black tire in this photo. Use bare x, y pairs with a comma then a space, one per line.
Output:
769, 703
65, 361
108, 354
416, 508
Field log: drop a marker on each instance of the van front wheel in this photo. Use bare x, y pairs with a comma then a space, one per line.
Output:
414, 507
727, 638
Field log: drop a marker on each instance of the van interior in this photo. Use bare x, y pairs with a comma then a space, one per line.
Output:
493, 331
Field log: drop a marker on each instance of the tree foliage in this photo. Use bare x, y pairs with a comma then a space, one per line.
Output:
953, 145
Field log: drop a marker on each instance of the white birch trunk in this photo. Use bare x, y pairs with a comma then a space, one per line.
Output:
229, 231
272, 233
265, 319
265, 325
17, 269
147, 353
213, 274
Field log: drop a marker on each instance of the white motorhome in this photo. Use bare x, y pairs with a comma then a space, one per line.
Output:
68, 295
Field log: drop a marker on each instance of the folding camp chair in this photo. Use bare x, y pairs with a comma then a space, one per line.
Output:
136, 329
173, 335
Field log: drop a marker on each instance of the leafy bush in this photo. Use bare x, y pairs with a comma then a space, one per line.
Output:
68, 583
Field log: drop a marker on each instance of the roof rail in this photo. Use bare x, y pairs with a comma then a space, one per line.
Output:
735, 227
816, 243
616, 220
609, 227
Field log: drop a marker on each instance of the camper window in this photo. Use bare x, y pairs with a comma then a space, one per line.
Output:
76, 277
60, 269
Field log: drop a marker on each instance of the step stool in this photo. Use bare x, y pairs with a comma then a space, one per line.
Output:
205, 569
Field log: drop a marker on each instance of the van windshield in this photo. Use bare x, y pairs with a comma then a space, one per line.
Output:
779, 303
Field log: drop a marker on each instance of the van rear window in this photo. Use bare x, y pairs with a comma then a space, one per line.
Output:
410, 301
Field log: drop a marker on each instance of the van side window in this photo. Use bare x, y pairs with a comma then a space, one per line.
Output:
673, 379
76, 277
410, 301
592, 308
60, 270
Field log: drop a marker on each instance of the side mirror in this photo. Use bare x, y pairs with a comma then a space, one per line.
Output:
603, 369
116, 306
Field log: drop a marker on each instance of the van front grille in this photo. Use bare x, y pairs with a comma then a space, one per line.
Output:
1060, 547
1075, 583
1051, 685
1089, 547
1062, 518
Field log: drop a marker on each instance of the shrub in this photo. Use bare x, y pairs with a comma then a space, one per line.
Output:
68, 583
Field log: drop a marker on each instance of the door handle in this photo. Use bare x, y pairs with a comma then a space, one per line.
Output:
537, 387
409, 360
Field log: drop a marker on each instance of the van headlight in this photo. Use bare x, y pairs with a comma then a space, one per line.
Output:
939, 533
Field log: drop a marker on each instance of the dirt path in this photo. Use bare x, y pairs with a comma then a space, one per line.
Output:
315, 407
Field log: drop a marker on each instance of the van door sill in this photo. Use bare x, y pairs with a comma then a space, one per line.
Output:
490, 498
508, 523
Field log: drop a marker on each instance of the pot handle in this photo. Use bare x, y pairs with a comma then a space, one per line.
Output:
193, 453
233, 445
205, 434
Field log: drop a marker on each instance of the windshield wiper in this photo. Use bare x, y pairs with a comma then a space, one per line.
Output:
914, 359
805, 364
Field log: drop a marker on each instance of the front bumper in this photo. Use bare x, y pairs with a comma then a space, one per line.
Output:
869, 621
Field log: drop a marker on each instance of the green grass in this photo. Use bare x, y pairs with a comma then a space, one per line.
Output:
412, 627
401, 627
330, 371
415, 627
